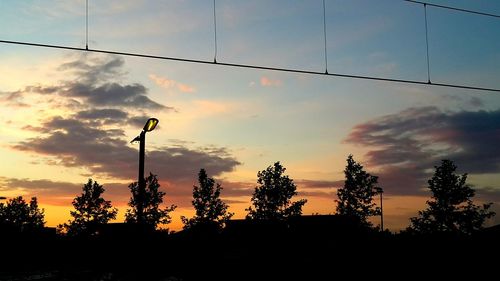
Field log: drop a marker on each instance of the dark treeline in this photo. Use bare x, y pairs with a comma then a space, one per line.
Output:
274, 241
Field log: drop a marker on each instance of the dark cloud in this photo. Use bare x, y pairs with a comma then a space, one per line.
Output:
323, 184
329, 195
75, 143
138, 121
107, 114
488, 194
181, 193
237, 189
112, 94
41, 89
94, 69
476, 102
94, 83
405, 146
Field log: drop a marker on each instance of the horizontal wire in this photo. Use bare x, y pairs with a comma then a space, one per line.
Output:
291, 70
454, 8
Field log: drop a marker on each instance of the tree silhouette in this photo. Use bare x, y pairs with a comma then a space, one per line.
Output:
153, 198
272, 197
355, 199
21, 215
210, 209
91, 210
450, 209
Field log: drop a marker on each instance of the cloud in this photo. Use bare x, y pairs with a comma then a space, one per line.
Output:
321, 194
108, 115
489, 194
78, 143
138, 121
268, 82
171, 84
60, 192
185, 88
405, 146
323, 184
476, 102
112, 94
85, 131
13, 99
85, 144
91, 69
93, 83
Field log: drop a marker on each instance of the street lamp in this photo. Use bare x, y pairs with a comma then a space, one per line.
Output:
148, 127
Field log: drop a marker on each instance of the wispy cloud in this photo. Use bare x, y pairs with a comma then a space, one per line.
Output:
268, 82
171, 84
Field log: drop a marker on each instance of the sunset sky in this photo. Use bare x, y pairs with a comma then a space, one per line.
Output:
67, 116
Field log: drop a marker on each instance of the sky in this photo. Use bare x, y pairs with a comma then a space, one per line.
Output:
67, 116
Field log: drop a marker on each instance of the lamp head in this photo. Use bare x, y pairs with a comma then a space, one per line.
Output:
150, 124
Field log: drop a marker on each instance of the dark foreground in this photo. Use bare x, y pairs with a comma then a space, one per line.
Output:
249, 252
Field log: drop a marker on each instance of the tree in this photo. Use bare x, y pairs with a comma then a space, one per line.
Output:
355, 199
450, 209
210, 209
91, 211
21, 215
272, 197
153, 198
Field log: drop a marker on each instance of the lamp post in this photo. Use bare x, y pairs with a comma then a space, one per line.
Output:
381, 191
148, 127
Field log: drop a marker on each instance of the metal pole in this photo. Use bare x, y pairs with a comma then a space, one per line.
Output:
381, 213
142, 183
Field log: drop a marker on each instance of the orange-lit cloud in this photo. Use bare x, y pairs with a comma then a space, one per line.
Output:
171, 84
268, 82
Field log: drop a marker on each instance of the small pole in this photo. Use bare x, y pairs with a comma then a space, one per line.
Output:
381, 213
142, 184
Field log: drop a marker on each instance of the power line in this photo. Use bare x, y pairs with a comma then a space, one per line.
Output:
290, 70
454, 9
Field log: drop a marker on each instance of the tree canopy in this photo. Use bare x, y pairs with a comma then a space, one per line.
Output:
272, 197
210, 209
355, 198
153, 198
22, 215
91, 210
450, 209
